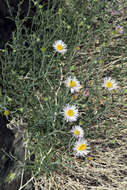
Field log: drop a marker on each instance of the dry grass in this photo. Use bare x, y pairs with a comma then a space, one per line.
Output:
107, 170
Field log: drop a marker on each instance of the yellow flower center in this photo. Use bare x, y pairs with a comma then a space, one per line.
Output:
70, 112
82, 147
109, 84
43, 49
72, 84
118, 29
6, 112
89, 158
77, 48
59, 47
77, 132
75, 97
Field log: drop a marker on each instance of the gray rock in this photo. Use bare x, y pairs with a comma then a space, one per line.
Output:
12, 153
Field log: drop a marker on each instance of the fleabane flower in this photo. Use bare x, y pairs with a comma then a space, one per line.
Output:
81, 148
86, 93
119, 29
109, 83
60, 46
114, 12
73, 84
77, 131
70, 113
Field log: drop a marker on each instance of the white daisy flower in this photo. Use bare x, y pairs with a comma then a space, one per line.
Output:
70, 113
109, 83
77, 131
73, 84
81, 147
60, 46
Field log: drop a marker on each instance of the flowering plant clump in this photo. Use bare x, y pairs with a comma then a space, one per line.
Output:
81, 147
53, 77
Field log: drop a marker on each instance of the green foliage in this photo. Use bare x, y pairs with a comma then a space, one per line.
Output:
33, 74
